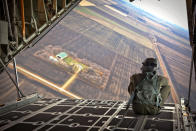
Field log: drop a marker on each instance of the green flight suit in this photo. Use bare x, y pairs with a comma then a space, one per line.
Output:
148, 109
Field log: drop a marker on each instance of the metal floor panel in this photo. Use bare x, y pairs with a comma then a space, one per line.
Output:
82, 115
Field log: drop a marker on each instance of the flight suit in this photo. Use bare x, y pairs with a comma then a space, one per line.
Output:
148, 109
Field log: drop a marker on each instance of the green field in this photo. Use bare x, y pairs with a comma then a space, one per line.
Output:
70, 61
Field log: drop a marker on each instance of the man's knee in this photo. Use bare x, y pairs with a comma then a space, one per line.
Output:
165, 91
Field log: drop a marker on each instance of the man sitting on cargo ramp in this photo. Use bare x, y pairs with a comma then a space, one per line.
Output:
149, 90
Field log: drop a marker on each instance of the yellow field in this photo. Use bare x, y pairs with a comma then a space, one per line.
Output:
86, 3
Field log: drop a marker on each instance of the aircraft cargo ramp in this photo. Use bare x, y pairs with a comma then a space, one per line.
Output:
92, 115
90, 54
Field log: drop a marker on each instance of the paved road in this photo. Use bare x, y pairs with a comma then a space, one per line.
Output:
45, 82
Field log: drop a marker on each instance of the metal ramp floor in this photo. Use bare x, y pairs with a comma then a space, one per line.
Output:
81, 115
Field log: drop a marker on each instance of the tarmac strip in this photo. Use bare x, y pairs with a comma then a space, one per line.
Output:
45, 82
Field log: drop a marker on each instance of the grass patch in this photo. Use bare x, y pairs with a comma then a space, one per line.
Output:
70, 61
